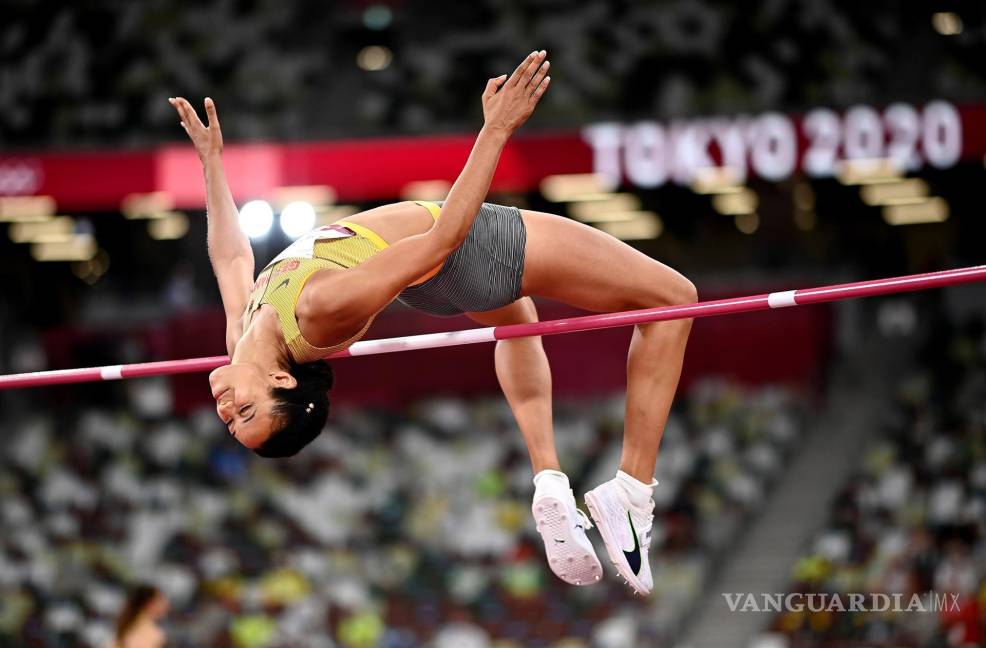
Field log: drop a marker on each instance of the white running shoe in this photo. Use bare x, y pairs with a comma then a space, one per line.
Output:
626, 531
562, 527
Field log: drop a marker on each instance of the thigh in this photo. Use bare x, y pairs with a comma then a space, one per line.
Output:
587, 268
521, 311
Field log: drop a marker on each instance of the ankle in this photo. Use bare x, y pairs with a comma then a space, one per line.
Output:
637, 491
637, 473
552, 476
541, 466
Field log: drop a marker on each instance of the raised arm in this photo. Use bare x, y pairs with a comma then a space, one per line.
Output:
506, 106
229, 249
353, 296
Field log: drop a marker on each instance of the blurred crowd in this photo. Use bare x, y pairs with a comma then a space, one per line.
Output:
100, 72
395, 529
912, 520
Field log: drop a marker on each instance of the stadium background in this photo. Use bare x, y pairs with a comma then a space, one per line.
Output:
823, 449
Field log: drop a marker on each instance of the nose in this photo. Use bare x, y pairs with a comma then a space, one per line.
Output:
225, 409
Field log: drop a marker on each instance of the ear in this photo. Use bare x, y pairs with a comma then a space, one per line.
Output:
283, 379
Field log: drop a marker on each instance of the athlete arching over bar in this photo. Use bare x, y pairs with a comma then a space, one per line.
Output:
461, 256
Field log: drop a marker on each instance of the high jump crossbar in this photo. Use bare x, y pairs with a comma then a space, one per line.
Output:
730, 306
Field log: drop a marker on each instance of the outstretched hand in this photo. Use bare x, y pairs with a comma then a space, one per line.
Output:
208, 140
507, 103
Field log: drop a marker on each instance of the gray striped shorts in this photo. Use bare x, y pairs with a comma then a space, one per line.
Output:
483, 273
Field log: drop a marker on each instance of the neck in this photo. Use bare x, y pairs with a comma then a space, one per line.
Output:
262, 343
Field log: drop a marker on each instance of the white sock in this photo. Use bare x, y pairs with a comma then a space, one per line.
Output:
552, 475
637, 491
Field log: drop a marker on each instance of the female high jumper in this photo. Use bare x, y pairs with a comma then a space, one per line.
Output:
462, 255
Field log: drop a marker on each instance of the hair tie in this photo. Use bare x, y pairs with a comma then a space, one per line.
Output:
309, 408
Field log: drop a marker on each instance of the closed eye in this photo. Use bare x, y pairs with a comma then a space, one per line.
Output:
242, 410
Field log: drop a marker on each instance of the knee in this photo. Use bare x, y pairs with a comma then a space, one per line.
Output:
527, 310
677, 292
685, 292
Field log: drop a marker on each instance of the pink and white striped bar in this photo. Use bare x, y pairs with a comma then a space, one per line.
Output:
730, 306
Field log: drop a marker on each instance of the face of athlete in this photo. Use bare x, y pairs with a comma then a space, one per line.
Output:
157, 607
243, 400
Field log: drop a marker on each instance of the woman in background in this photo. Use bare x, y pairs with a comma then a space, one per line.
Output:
138, 626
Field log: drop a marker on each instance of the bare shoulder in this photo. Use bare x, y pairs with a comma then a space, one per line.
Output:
385, 211
325, 309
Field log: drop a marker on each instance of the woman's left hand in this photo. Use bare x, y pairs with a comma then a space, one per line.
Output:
507, 103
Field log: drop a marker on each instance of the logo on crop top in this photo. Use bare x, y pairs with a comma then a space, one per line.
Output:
287, 266
283, 283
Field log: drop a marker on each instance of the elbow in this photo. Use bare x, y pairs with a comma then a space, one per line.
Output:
446, 240
448, 247
227, 256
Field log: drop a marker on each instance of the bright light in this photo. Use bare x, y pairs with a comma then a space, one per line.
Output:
297, 218
947, 23
374, 57
712, 180
614, 208
26, 208
377, 17
148, 205
60, 229
81, 247
909, 191
868, 171
256, 217
169, 227
732, 204
637, 226
576, 186
932, 210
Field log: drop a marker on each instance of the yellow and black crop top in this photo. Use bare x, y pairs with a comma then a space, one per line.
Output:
338, 246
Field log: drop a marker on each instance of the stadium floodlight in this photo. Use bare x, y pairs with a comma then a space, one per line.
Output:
374, 57
297, 218
256, 218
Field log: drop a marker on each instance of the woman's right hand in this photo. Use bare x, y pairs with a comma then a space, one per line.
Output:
507, 103
208, 141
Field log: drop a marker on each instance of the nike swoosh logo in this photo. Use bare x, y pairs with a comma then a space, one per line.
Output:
557, 541
633, 557
283, 283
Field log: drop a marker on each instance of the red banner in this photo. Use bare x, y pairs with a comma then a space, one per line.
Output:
772, 145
